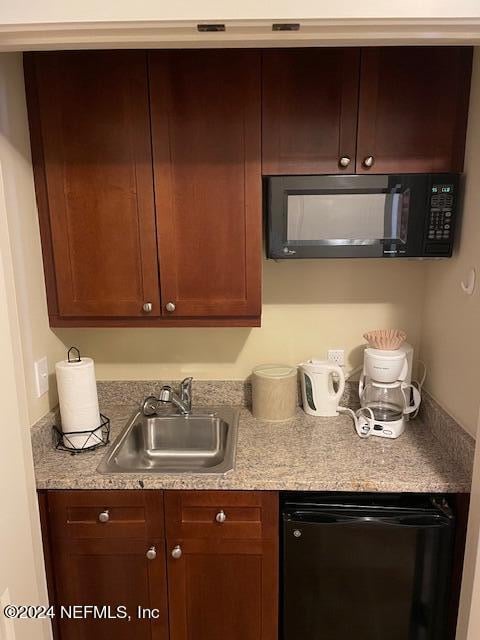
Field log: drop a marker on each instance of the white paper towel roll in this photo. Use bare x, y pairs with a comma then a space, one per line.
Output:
77, 394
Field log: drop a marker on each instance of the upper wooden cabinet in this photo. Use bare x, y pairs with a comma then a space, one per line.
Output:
412, 105
309, 105
413, 109
121, 248
206, 147
148, 165
90, 124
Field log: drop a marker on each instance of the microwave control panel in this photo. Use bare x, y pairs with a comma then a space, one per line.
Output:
440, 225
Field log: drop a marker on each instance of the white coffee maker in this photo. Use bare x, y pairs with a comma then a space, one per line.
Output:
386, 391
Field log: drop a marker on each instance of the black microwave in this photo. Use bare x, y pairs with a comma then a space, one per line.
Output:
361, 216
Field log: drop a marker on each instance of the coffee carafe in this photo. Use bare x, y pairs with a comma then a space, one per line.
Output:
388, 405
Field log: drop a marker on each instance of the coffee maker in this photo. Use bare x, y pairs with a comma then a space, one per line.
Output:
386, 391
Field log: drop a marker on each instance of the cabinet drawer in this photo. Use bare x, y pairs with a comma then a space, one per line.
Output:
106, 514
221, 514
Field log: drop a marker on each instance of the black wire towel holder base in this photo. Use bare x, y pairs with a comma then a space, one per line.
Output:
95, 438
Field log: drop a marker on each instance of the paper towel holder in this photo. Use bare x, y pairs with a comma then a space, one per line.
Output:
77, 358
95, 438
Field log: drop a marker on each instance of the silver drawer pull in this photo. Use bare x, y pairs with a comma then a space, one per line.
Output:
151, 553
104, 516
344, 161
170, 307
177, 552
221, 516
147, 307
368, 161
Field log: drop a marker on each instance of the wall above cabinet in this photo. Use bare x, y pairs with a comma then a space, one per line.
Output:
148, 165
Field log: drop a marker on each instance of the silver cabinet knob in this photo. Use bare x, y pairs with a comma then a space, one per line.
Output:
368, 161
151, 553
177, 552
147, 307
221, 516
104, 516
170, 307
344, 161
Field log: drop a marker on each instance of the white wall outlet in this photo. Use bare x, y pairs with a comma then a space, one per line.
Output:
41, 376
337, 356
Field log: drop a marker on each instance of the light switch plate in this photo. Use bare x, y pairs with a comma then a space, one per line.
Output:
41, 376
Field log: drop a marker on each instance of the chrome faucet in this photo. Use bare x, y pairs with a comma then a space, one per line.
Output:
182, 402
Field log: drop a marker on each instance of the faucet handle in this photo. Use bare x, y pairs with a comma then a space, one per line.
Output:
186, 386
186, 391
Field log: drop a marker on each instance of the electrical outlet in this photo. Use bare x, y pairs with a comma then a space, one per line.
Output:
41, 376
337, 356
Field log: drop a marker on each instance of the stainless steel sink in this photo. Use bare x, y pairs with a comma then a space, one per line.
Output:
201, 442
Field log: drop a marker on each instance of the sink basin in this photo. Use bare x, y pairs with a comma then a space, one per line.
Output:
201, 442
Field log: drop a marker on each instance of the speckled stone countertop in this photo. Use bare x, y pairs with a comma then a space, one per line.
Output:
305, 453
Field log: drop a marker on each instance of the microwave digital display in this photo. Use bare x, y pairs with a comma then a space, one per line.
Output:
445, 188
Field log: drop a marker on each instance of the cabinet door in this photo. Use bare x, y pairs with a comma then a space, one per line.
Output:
222, 564
89, 115
206, 144
109, 574
309, 110
413, 109
226, 589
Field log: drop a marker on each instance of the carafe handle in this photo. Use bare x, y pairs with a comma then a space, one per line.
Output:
416, 398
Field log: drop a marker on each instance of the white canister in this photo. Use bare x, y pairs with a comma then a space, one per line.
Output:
274, 392
77, 396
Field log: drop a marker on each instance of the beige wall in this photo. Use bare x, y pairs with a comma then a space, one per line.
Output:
308, 307
469, 613
451, 319
32, 11
21, 558
37, 338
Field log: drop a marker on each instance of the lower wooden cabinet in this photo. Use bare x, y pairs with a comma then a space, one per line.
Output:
222, 565
218, 555
117, 577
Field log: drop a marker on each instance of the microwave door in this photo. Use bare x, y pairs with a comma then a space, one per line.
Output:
372, 221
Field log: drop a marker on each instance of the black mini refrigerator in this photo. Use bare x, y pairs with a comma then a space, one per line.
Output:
365, 566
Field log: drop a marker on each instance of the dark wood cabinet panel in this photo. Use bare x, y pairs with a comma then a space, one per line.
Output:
225, 582
130, 514
105, 564
413, 109
111, 573
309, 110
89, 112
247, 514
222, 584
225, 589
206, 144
